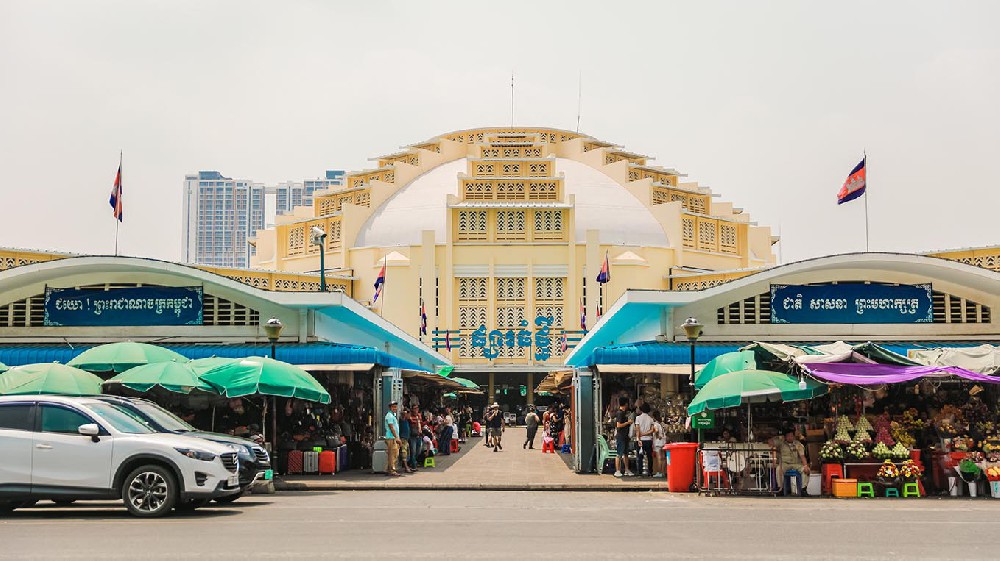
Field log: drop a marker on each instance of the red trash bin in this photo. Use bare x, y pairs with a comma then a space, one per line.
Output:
680, 466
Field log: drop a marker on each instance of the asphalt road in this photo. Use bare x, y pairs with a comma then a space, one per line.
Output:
510, 525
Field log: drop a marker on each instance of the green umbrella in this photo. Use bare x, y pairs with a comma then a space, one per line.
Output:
752, 386
450, 396
265, 376
202, 365
445, 371
48, 378
177, 377
726, 362
119, 357
3, 368
467, 383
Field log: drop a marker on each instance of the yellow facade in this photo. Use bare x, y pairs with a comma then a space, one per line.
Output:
492, 229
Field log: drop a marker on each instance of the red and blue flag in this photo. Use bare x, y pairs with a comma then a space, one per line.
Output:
116, 195
583, 315
605, 275
379, 283
855, 184
423, 319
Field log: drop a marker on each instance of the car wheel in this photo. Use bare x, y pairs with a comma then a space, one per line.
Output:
188, 506
64, 502
229, 498
149, 491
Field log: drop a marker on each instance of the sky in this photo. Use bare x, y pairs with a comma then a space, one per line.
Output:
771, 104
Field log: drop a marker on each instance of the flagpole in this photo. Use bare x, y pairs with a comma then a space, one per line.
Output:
120, 182
385, 265
864, 158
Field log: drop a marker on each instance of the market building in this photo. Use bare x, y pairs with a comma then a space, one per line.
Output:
497, 235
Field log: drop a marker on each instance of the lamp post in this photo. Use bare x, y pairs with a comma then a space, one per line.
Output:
273, 330
692, 329
317, 236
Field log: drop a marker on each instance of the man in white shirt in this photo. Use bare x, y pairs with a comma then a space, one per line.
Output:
644, 434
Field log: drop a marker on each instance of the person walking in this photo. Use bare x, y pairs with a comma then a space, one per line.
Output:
494, 420
622, 424
659, 440
392, 440
644, 432
416, 437
531, 421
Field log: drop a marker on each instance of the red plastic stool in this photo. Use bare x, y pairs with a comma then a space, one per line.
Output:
721, 478
454, 446
549, 446
829, 472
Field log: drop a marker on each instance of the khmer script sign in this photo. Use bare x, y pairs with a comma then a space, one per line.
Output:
851, 303
492, 341
142, 305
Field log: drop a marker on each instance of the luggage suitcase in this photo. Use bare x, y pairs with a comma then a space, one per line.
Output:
328, 461
294, 462
310, 462
342, 459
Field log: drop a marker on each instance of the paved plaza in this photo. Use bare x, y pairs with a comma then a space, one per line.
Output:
477, 467
511, 525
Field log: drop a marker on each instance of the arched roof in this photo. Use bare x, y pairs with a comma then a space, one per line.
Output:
601, 204
639, 315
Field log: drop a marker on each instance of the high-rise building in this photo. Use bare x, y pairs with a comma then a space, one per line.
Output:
291, 194
220, 215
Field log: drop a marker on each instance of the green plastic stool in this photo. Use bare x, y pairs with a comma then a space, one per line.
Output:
429, 462
891, 492
911, 489
866, 490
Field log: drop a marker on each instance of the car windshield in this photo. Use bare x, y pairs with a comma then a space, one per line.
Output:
121, 418
162, 417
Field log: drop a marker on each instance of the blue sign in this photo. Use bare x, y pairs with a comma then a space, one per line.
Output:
851, 303
492, 342
142, 305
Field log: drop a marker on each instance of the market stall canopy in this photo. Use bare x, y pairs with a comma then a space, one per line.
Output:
984, 359
653, 357
264, 376
555, 382
177, 377
48, 378
723, 364
436, 380
752, 386
874, 374
119, 357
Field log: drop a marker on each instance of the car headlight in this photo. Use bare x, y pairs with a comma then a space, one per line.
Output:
196, 454
244, 452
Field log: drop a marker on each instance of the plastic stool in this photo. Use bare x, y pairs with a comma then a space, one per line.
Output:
829, 472
549, 446
891, 492
429, 462
866, 490
454, 446
566, 449
721, 479
911, 489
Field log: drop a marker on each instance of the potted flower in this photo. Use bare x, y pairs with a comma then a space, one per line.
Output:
970, 473
856, 451
993, 476
910, 471
888, 474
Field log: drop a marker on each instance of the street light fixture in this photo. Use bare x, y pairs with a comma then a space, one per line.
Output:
273, 330
317, 236
692, 329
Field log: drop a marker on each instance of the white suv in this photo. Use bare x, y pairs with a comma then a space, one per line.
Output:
70, 448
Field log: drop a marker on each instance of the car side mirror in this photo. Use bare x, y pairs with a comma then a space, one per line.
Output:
91, 430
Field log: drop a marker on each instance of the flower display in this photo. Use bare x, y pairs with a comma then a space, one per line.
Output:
993, 457
831, 451
976, 457
910, 470
842, 437
902, 436
993, 473
883, 436
992, 445
863, 437
856, 451
844, 422
900, 452
969, 470
881, 451
888, 470
912, 420
863, 425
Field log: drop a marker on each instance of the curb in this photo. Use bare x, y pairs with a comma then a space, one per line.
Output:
306, 487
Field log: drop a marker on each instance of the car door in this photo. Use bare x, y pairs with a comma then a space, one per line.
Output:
65, 460
16, 439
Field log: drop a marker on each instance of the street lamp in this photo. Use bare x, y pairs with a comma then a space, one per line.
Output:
317, 236
692, 329
273, 330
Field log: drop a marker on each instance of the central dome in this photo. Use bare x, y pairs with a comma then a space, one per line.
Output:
601, 204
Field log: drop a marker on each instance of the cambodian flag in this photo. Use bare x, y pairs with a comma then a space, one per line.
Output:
423, 319
855, 184
379, 283
563, 344
605, 275
116, 195
447, 340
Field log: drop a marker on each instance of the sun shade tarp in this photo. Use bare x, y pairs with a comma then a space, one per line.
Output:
873, 374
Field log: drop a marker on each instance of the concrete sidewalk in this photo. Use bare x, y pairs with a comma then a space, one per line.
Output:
478, 468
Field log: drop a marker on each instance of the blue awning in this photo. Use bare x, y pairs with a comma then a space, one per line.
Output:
296, 353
